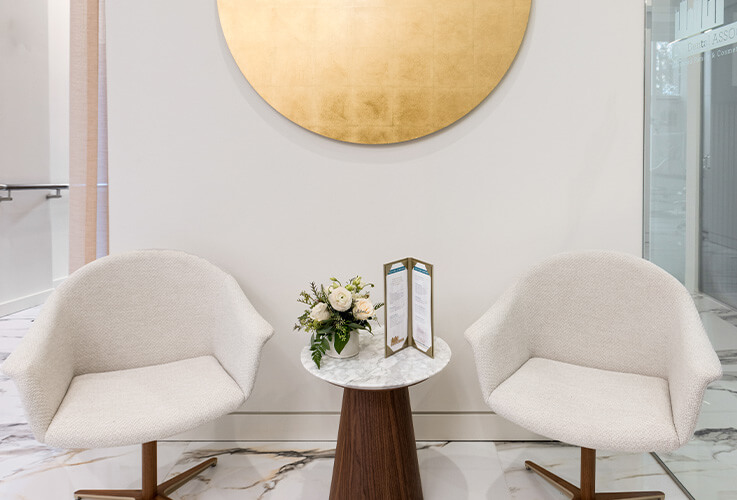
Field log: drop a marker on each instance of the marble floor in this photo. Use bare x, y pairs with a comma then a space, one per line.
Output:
302, 470
707, 466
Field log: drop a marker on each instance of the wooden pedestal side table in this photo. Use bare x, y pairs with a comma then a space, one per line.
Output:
376, 454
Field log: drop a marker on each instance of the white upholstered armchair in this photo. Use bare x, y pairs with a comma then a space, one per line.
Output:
134, 348
600, 350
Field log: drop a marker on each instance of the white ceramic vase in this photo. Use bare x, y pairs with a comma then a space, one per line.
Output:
349, 350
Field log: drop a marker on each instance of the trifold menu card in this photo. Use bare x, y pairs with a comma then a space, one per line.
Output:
408, 306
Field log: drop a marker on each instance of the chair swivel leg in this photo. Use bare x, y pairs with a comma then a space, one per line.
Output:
149, 489
587, 491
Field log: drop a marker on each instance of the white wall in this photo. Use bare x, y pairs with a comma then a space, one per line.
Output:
59, 11
33, 119
551, 161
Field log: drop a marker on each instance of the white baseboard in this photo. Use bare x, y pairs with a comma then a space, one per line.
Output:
33, 300
431, 426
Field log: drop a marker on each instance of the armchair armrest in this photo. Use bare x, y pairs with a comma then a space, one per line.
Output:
499, 342
692, 365
237, 345
42, 368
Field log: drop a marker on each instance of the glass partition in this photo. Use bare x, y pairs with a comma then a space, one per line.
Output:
666, 102
691, 205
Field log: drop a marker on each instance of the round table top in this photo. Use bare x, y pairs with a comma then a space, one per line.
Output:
370, 370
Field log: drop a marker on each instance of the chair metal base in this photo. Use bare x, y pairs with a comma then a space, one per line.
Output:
587, 489
150, 490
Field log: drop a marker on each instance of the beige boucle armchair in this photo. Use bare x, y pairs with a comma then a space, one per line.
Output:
138, 347
598, 349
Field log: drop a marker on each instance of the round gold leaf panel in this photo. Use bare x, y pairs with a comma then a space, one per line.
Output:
374, 71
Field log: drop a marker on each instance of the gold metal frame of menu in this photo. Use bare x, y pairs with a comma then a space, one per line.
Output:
408, 289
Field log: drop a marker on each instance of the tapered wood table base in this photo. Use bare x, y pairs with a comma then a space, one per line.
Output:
376, 455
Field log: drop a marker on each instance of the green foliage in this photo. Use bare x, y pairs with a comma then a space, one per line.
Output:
318, 348
339, 324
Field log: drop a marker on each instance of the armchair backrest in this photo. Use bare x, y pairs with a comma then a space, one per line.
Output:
603, 310
142, 308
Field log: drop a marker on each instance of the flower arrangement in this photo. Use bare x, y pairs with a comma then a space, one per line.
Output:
333, 312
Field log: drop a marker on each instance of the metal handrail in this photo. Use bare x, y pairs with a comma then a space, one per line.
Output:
27, 187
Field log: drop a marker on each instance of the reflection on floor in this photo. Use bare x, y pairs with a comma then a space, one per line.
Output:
282, 470
707, 466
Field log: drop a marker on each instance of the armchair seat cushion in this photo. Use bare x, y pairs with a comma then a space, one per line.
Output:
138, 405
588, 407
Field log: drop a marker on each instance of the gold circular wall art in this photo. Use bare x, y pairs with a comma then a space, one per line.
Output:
374, 71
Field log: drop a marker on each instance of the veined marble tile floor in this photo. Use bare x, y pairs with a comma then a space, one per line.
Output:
707, 466
302, 470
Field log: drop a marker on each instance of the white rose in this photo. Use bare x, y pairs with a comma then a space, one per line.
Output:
341, 299
320, 312
363, 309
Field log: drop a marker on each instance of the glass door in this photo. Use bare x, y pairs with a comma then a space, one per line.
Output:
718, 214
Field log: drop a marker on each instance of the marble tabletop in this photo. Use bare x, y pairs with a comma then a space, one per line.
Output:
370, 370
